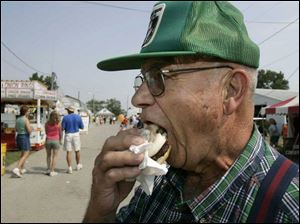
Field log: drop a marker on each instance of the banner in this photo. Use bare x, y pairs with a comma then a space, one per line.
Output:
18, 94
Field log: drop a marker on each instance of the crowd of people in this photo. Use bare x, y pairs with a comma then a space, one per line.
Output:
103, 120
134, 121
125, 122
54, 129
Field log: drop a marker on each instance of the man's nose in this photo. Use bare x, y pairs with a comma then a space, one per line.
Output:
142, 97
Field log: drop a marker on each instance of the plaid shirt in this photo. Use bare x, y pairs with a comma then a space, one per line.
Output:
229, 199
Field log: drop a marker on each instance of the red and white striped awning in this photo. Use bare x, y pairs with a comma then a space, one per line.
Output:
284, 107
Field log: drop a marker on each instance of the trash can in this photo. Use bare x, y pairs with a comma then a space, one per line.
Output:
3, 153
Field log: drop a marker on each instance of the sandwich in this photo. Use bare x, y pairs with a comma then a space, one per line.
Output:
158, 149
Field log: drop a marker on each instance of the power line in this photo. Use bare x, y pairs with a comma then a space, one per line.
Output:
12, 65
268, 38
293, 73
248, 7
147, 11
31, 67
114, 6
268, 10
279, 59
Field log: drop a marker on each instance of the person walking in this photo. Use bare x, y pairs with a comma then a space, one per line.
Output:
53, 141
71, 124
124, 123
23, 130
274, 133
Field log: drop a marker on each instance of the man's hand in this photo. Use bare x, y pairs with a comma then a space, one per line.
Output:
112, 167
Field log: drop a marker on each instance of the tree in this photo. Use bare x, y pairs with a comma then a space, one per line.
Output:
48, 80
114, 106
96, 105
271, 80
45, 80
36, 77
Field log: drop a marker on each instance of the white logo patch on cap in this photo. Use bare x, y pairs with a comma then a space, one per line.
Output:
155, 20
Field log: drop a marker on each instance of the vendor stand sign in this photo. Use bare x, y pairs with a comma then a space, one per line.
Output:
28, 92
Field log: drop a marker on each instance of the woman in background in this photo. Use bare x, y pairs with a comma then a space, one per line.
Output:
274, 133
53, 141
23, 130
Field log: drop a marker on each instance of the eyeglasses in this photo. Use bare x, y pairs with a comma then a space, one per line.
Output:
155, 77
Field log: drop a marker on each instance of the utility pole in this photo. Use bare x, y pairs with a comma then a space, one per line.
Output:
53, 76
93, 103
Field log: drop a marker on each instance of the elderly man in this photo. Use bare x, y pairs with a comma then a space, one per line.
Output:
198, 75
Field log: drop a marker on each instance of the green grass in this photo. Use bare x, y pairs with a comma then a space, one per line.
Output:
13, 156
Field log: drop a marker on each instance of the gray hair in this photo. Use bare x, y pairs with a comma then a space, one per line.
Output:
252, 74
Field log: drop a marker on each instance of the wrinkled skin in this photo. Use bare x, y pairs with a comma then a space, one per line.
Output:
201, 113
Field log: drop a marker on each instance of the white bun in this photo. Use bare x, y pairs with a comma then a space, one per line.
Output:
156, 145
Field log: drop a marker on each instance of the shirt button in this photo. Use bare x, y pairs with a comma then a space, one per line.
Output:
163, 185
202, 220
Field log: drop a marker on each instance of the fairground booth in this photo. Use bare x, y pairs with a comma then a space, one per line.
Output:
290, 109
34, 94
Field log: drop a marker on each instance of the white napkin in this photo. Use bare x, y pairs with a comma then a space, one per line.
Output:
150, 168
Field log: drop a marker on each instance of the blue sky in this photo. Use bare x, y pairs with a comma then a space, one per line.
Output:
70, 38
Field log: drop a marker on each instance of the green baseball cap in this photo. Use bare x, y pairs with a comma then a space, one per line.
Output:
186, 28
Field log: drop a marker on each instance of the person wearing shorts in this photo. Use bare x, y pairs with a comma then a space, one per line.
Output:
54, 135
71, 124
23, 130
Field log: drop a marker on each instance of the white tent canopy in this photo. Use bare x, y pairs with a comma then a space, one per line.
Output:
104, 112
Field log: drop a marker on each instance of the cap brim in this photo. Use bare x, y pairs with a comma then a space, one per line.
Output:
135, 61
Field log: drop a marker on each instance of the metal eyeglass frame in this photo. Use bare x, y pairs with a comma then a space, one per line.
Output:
162, 74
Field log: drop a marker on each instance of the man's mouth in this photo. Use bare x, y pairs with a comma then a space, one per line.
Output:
159, 149
157, 127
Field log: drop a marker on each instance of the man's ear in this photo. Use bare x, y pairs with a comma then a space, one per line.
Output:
235, 86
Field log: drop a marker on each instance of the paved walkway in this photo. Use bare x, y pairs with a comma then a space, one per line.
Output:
63, 198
